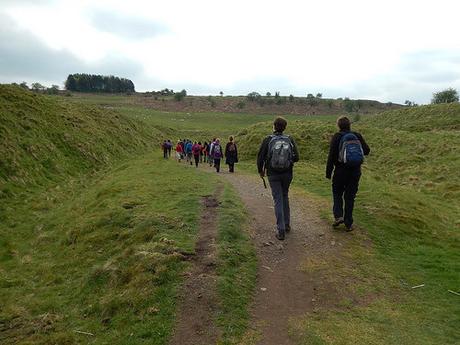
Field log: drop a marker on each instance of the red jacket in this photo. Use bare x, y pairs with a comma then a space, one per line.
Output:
179, 148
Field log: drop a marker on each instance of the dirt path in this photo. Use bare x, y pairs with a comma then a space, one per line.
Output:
286, 288
198, 304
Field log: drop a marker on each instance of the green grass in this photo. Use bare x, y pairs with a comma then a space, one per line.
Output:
236, 269
104, 257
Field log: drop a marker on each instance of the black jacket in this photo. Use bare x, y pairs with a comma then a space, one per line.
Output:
333, 158
262, 156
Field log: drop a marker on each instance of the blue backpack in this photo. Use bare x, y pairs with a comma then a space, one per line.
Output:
350, 150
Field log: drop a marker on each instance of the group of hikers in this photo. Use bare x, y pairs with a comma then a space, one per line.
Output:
210, 152
276, 157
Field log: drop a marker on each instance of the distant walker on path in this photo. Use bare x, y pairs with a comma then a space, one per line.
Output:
277, 155
231, 155
346, 154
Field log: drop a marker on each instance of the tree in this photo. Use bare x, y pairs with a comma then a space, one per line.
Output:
53, 90
268, 94
319, 95
291, 98
24, 85
179, 96
446, 96
277, 94
37, 87
253, 96
221, 94
311, 100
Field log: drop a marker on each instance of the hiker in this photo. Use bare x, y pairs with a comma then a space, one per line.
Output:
277, 155
169, 147
179, 151
216, 153
211, 147
346, 154
205, 152
196, 150
188, 151
231, 155
164, 146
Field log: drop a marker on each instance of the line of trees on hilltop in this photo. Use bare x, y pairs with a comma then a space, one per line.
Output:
83, 82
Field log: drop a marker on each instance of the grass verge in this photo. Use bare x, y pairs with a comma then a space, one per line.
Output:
236, 268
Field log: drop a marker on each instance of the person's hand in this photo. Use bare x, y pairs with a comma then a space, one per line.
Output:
262, 174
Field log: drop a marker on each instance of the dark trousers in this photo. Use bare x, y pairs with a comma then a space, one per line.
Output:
217, 164
279, 184
197, 159
231, 167
165, 153
344, 188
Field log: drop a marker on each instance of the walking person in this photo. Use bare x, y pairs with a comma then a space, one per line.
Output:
164, 146
216, 153
179, 151
169, 147
211, 147
205, 152
196, 150
188, 151
277, 155
346, 154
231, 155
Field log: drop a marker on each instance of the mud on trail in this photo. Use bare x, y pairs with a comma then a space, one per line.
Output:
198, 302
287, 286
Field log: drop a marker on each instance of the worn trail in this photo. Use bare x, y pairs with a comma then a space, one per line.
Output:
286, 289
198, 303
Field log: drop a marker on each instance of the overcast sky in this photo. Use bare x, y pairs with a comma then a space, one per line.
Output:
389, 50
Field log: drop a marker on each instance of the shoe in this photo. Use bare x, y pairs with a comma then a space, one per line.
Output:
337, 222
288, 228
349, 228
280, 235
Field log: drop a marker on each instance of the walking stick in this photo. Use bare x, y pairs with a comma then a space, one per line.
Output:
265, 183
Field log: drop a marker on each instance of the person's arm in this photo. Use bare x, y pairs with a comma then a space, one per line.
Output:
366, 149
261, 156
333, 153
226, 150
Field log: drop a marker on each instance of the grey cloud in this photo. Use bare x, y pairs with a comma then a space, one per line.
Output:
126, 26
25, 57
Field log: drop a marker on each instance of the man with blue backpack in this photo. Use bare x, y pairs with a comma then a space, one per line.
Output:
346, 154
276, 158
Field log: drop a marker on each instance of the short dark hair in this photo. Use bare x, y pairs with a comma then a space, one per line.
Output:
280, 124
344, 123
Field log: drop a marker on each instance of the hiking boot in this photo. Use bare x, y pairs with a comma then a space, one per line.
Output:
280, 235
337, 222
288, 228
349, 228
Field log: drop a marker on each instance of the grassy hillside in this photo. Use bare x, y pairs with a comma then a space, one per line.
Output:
45, 139
408, 202
95, 233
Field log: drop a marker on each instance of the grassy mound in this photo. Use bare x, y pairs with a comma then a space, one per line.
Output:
43, 139
424, 118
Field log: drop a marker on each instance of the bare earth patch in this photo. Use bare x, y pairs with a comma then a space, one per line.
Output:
198, 302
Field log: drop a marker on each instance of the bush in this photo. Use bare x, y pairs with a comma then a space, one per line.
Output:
240, 105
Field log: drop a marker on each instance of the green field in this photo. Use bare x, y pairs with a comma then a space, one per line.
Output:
95, 225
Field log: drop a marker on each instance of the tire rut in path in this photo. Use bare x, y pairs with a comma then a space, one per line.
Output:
198, 300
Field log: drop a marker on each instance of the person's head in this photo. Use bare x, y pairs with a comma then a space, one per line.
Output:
217, 140
199, 143
343, 123
230, 139
279, 125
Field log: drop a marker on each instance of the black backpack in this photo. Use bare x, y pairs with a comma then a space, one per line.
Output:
280, 152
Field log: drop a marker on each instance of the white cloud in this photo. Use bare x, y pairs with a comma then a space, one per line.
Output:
357, 48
